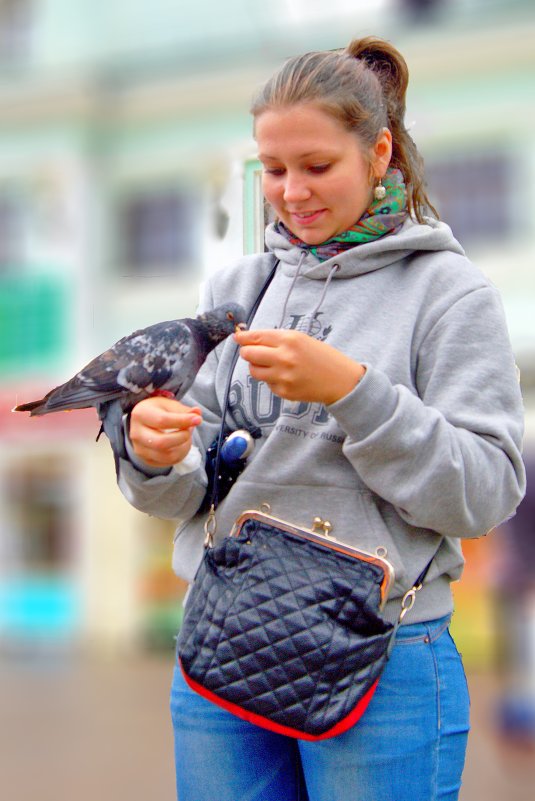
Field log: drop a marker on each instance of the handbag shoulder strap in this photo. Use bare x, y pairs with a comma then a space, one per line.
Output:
407, 602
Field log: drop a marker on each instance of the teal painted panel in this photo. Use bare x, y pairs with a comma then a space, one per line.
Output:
33, 321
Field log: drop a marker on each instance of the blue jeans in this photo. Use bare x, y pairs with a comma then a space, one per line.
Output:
410, 743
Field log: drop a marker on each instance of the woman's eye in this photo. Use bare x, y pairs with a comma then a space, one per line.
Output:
319, 168
272, 170
315, 169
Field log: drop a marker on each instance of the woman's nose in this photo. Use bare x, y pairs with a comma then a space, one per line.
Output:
295, 188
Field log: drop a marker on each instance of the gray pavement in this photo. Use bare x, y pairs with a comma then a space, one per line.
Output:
97, 730
86, 731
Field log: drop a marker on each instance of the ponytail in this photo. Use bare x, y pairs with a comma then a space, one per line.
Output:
391, 69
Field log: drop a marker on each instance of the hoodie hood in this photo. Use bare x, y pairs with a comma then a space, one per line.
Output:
368, 257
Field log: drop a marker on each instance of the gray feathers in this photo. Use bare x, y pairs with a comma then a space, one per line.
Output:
164, 357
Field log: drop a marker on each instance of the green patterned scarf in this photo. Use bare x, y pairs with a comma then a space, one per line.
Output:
382, 217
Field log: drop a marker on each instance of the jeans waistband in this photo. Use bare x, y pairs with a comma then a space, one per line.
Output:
428, 631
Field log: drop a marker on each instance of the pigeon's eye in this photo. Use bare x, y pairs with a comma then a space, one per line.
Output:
230, 316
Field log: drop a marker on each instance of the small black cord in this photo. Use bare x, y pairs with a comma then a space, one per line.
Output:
214, 494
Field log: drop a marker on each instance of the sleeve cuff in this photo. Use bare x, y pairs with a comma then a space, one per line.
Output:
367, 407
190, 463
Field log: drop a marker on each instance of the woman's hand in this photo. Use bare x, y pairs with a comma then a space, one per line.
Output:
161, 429
297, 367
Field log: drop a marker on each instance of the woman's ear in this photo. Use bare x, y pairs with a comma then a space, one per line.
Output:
382, 153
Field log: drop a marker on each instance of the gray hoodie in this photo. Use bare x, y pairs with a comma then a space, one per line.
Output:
426, 446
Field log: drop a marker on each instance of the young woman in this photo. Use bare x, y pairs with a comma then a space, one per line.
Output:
380, 377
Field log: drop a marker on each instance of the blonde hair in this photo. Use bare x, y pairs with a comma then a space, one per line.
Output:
364, 88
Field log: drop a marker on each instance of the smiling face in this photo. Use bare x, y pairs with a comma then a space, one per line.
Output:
316, 173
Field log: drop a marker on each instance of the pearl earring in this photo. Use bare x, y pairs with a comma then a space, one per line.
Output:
379, 192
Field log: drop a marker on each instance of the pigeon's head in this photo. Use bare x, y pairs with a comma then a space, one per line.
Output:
222, 321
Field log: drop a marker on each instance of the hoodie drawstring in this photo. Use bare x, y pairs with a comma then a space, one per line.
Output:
328, 280
296, 276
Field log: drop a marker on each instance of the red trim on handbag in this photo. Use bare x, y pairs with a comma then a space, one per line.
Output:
259, 720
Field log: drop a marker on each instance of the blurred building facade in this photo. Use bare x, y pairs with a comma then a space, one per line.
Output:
128, 173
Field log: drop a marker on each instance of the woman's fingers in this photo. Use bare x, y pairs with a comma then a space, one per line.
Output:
153, 439
259, 355
157, 454
160, 430
164, 414
161, 450
298, 367
267, 348
267, 336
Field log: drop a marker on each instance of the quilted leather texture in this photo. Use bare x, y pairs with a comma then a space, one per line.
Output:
284, 628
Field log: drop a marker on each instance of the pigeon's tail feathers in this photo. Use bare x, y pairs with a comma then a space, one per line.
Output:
72, 395
33, 407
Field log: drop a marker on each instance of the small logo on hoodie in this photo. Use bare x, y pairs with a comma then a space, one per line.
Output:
314, 328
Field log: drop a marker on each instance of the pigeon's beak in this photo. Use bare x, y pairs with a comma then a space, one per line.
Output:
241, 327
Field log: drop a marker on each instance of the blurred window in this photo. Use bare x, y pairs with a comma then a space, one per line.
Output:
420, 8
40, 508
11, 231
474, 194
39, 595
159, 230
16, 24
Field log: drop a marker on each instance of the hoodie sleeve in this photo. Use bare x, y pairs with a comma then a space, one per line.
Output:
171, 495
447, 454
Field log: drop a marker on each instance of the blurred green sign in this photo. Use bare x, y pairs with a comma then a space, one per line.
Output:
33, 317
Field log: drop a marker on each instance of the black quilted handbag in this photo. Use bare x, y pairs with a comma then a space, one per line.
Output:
283, 627
283, 624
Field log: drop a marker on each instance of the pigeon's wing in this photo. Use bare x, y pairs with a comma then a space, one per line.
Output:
132, 369
138, 364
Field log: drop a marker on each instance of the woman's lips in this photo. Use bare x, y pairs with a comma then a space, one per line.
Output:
306, 217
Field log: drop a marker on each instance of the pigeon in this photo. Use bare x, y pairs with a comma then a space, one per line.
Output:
162, 359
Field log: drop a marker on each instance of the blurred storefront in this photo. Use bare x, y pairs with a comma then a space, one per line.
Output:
127, 174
